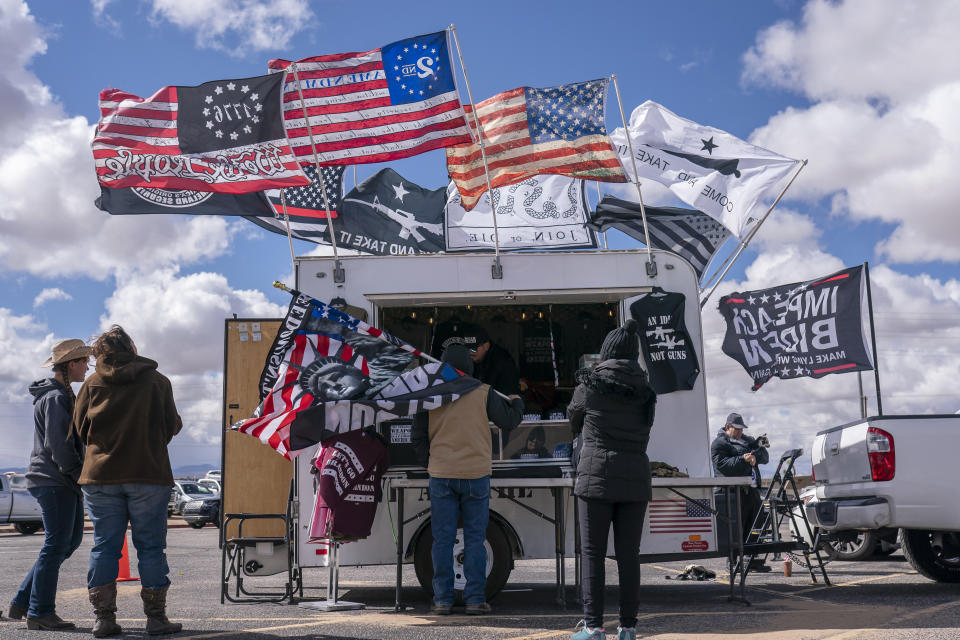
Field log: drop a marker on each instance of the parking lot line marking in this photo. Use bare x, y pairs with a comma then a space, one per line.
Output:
855, 582
233, 632
909, 615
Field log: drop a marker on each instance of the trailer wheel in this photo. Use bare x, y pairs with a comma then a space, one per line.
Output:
852, 545
499, 560
934, 554
27, 528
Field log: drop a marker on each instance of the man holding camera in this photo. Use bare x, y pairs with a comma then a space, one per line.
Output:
735, 454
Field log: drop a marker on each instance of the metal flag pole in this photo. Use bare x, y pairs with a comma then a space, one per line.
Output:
338, 274
286, 221
873, 338
599, 197
497, 270
651, 265
753, 232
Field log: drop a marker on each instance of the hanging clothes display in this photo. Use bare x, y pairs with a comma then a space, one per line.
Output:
667, 349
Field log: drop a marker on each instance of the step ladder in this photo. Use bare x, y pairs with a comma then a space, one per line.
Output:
780, 502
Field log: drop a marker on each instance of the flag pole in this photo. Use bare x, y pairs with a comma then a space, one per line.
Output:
338, 274
599, 197
286, 221
651, 265
746, 241
873, 338
497, 270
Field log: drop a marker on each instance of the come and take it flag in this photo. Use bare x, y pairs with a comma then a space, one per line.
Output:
692, 235
542, 212
804, 329
224, 136
709, 169
528, 132
305, 208
328, 372
389, 103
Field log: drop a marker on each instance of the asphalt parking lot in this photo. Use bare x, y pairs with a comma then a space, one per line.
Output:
883, 598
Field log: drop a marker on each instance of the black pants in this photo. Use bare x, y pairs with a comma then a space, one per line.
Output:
750, 505
595, 519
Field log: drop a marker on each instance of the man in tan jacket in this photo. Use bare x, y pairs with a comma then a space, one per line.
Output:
459, 468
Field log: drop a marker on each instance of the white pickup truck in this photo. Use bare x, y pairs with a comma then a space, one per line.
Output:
888, 473
17, 506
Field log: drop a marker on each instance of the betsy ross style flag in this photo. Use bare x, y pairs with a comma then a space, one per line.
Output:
385, 104
804, 329
527, 132
709, 169
225, 136
328, 373
692, 235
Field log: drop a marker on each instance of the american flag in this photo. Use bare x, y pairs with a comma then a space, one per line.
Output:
393, 102
692, 235
528, 131
305, 206
225, 136
679, 516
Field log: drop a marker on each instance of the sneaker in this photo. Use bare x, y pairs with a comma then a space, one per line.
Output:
628, 633
584, 632
441, 609
481, 609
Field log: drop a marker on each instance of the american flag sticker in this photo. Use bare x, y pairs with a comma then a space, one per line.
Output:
679, 516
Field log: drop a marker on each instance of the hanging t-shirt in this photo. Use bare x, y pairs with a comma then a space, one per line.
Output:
667, 349
583, 334
538, 350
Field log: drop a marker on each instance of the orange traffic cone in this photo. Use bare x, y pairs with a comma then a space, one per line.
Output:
124, 572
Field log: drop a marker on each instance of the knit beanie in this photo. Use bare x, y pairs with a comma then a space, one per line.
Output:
622, 343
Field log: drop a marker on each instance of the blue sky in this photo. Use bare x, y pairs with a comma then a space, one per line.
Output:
864, 91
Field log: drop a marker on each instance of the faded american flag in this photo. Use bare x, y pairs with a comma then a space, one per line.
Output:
225, 136
388, 103
305, 206
528, 132
679, 516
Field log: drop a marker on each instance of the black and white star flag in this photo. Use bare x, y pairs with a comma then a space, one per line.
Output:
692, 235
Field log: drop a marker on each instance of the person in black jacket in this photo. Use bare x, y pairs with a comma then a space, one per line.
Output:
492, 363
612, 411
737, 455
55, 465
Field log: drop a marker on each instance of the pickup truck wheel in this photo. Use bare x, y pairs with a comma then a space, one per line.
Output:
934, 554
27, 528
499, 560
196, 525
852, 545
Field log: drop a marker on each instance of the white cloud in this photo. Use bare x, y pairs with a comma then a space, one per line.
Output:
52, 293
235, 26
881, 133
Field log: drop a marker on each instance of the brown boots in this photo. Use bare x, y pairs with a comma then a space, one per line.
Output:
155, 606
104, 601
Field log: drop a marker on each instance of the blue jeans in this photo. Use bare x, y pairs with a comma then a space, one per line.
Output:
450, 500
111, 507
62, 513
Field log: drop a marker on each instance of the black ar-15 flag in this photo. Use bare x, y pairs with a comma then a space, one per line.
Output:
692, 235
803, 329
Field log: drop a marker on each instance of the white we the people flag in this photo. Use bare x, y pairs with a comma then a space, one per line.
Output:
709, 169
542, 212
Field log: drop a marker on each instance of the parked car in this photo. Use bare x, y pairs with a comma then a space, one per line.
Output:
17, 506
210, 483
197, 513
215, 474
187, 490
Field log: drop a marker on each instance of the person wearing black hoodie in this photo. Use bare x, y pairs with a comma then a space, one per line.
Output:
126, 416
55, 464
612, 411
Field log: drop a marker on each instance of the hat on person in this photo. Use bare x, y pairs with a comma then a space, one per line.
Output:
67, 350
474, 336
457, 356
736, 420
621, 343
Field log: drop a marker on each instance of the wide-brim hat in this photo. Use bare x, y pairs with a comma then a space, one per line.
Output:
67, 350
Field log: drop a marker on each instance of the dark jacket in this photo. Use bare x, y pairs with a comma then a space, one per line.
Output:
612, 409
727, 455
57, 456
126, 416
498, 370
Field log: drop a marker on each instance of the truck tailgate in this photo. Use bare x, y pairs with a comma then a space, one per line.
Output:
840, 455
